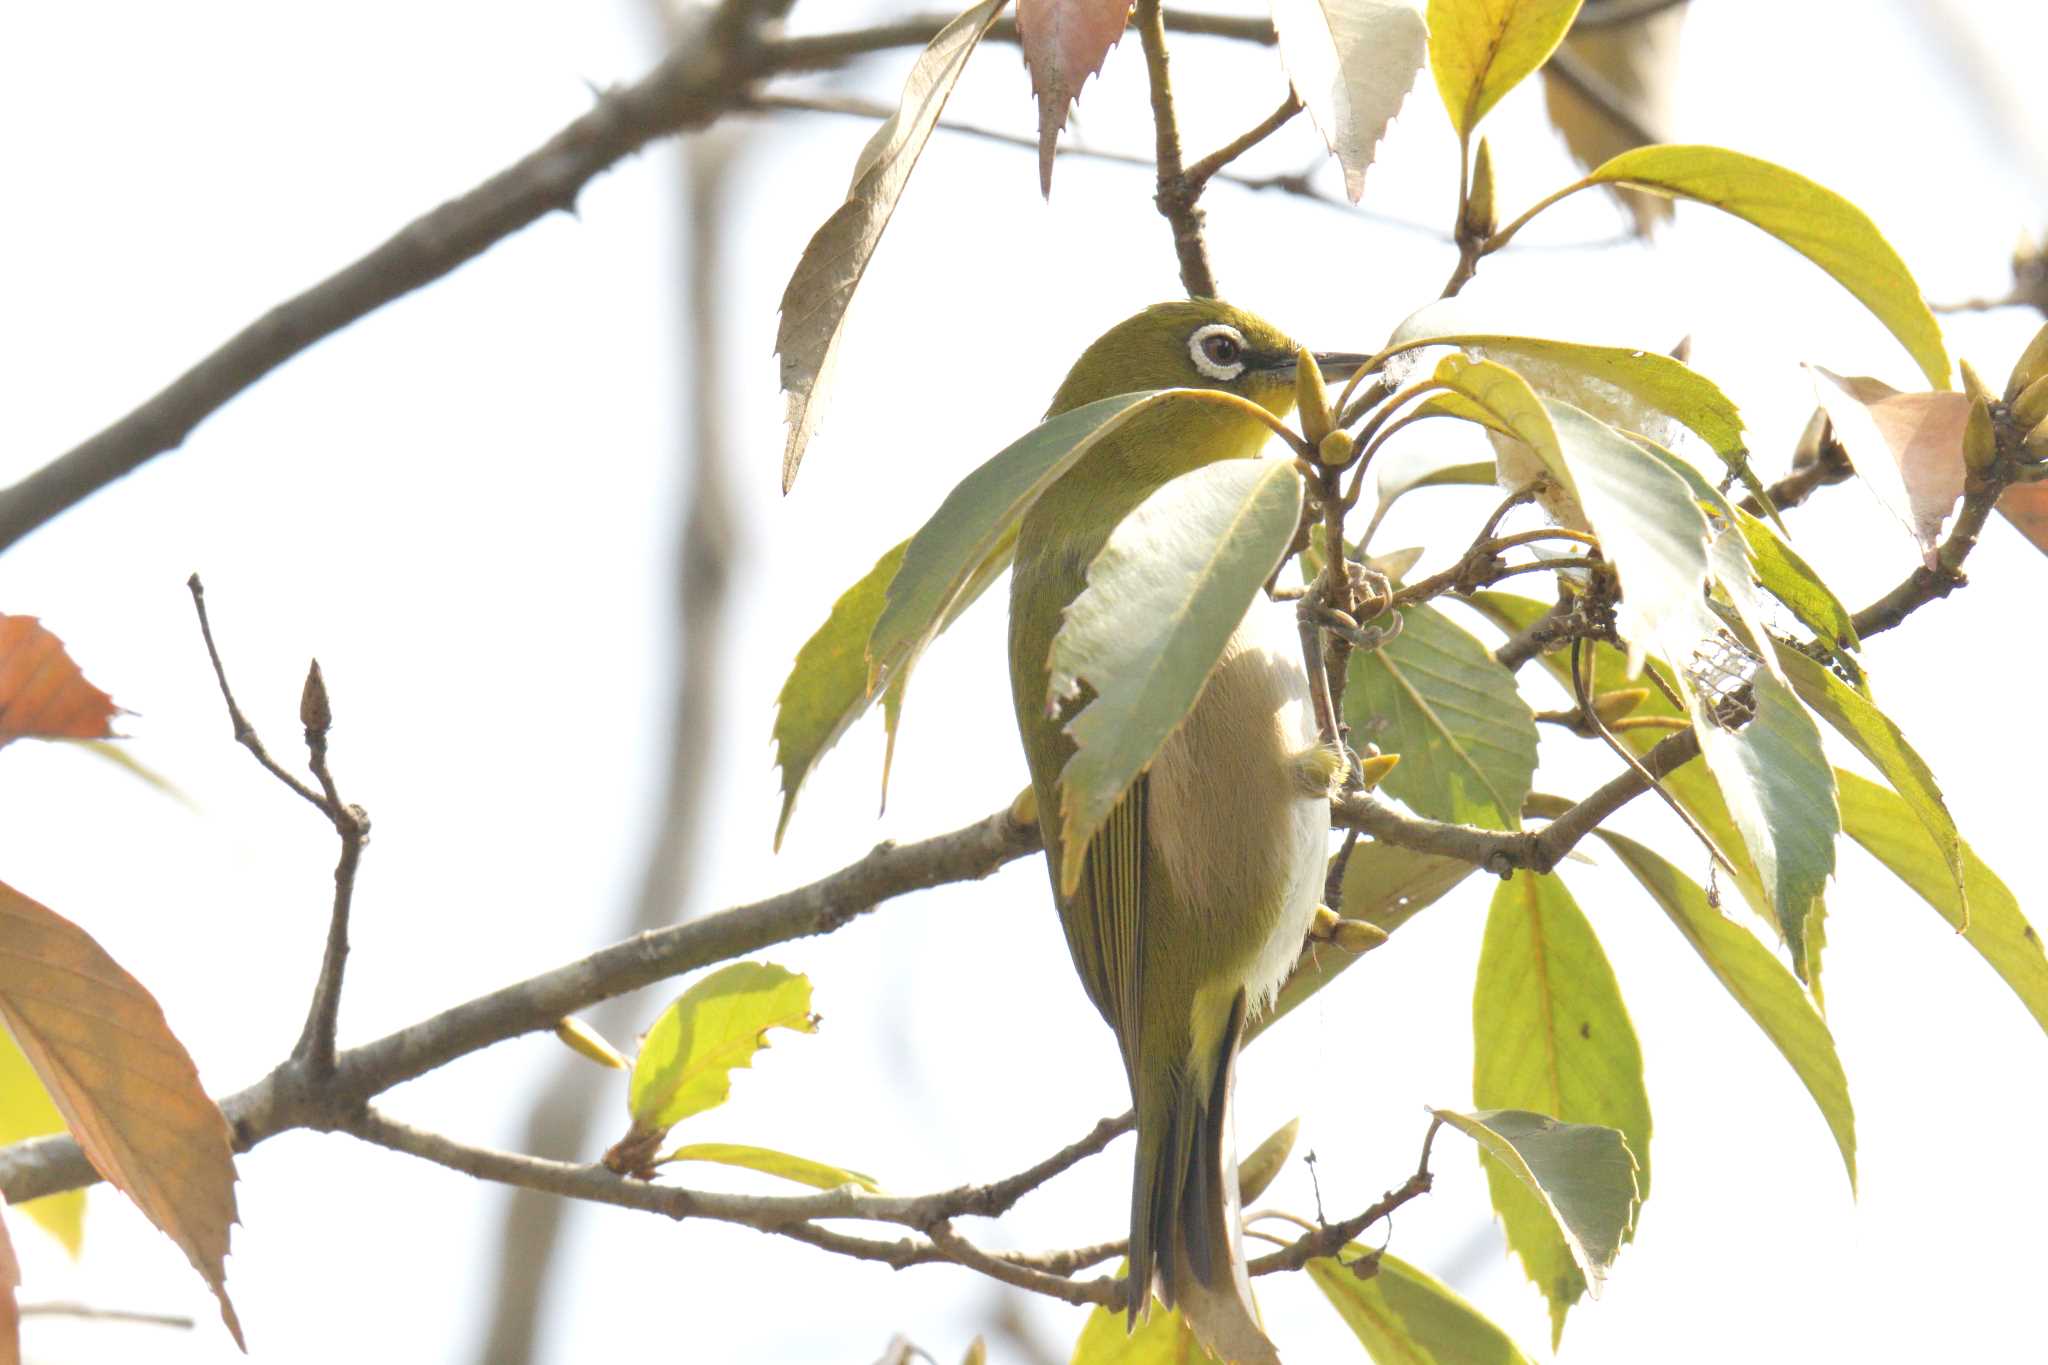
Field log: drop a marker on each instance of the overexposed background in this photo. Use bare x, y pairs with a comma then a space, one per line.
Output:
466, 507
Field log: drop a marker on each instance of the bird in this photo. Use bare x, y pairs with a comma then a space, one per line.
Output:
1196, 894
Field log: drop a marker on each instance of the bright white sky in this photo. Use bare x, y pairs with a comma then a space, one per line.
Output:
464, 507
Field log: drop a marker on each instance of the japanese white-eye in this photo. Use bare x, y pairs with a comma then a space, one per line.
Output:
1197, 893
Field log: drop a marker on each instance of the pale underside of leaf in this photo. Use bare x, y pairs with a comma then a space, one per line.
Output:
1814, 221
815, 302
1164, 596
1352, 62
1065, 42
1908, 447
127, 1088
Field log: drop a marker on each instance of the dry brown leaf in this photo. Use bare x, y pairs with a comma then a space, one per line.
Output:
10, 1307
1065, 42
815, 302
1907, 446
127, 1088
42, 693
2025, 505
1639, 62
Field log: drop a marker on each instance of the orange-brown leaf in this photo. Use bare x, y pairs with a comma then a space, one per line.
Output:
126, 1087
42, 693
1065, 42
1907, 446
10, 1307
2025, 505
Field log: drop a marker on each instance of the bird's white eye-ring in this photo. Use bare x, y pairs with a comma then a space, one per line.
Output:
1217, 350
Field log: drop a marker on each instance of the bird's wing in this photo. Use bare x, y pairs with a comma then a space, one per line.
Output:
1105, 917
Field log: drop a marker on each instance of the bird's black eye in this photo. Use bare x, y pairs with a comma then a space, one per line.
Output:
1218, 351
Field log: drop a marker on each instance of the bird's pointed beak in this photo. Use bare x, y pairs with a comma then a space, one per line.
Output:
1340, 364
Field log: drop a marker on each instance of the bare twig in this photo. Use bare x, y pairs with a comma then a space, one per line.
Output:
88, 1313
245, 733
1329, 1239
1209, 166
1176, 197
1924, 584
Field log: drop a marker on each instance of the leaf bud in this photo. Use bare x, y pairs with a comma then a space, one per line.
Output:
1612, 706
2036, 442
1980, 440
1311, 398
1374, 770
2032, 404
585, 1041
1356, 935
2032, 365
314, 713
1478, 222
1024, 810
1973, 383
1267, 1160
1336, 449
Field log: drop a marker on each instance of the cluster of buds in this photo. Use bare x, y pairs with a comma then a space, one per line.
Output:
2022, 412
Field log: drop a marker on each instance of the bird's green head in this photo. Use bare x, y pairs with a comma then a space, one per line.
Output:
1196, 344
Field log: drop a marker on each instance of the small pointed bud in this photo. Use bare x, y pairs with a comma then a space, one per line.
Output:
1357, 936
977, 1353
1479, 220
1980, 440
2031, 406
1024, 810
1335, 449
314, 712
1974, 385
1258, 1170
1311, 398
2032, 365
585, 1041
1374, 770
1612, 706
2036, 442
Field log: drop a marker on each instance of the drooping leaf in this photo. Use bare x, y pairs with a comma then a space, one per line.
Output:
1814, 221
1638, 61
1758, 981
686, 1061
1352, 62
1551, 1035
1583, 1174
1064, 44
1163, 598
980, 515
1404, 1316
26, 1111
1787, 577
1907, 446
1859, 721
125, 1085
2025, 505
815, 302
1481, 49
1263, 1166
43, 695
804, 1171
1435, 696
1161, 1337
1885, 825
827, 687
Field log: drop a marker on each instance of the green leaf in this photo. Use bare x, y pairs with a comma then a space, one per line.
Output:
1760, 984
1163, 597
686, 1061
1584, 1174
800, 1169
1259, 1170
1404, 1316
1816, 222
980, 515
821, 288
1885, 825
1161, 1337
1435, 696
1791, 580
26, 1111
1859, 721
1551, 1034
1481, 49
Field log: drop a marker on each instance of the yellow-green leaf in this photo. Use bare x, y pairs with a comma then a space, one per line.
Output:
1551, 1035
687, 1059
1814, 221
1758, 982
1884, 824
25, 1112
1404, 1316
1163, 598
1790, 579
1481, 49
1161, 1337
802, 1170
1259, 1170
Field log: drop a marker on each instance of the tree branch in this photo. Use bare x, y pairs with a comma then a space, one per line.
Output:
1176, 197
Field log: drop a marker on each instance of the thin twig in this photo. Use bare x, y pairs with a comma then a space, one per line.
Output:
88, 1313
1331, 1238
1209, 166
1176, 197
245, 733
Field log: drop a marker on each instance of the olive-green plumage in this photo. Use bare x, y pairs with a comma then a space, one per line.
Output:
1196, 894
